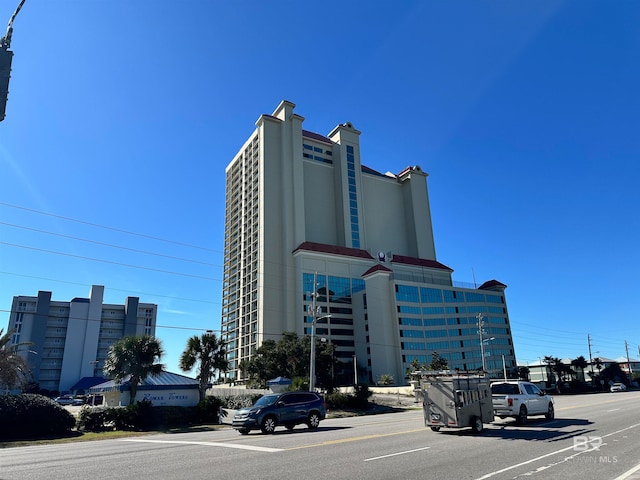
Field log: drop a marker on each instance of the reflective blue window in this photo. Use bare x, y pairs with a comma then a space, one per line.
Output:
412, 333
415, 322
407, 293
431, 295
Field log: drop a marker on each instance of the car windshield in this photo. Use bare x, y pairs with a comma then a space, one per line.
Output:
266, 400
505, 388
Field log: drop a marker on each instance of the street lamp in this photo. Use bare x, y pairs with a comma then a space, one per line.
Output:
481, 333
312, 366
490, 353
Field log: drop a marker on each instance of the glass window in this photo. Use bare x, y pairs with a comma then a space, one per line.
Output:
349, 149
475, 297
412, 333
407, 293
431, 295
416, 322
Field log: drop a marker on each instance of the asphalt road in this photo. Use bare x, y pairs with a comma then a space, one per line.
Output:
593, 437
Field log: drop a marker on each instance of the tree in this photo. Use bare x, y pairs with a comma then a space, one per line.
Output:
135, 357
210, 353
14, 370
438, 362
289, 357
581, 363
523, 373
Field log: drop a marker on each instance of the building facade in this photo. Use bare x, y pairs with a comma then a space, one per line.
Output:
309, 226
71, 340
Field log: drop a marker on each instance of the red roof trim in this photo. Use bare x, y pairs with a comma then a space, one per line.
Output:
316, 136
375, 269
334, 250
420, 262
491, 285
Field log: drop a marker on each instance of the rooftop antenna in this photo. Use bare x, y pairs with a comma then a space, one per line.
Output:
473, 274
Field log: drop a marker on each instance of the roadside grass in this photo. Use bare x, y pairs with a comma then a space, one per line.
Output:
378, 406
76, 436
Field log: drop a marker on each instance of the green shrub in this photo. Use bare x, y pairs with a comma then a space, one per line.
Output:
208, 410
336, 400
31, 416
360, 397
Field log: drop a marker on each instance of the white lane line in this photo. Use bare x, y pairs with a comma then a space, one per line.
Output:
394, 454
506, 469
613, 410
628, 473
209, 444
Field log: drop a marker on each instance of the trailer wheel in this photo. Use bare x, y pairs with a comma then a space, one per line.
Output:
476, 425
435, 429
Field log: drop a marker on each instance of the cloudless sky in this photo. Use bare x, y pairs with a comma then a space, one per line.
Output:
123, 115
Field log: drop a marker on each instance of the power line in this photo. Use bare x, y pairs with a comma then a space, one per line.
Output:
110, 262
129, 292
108, 244
143, 235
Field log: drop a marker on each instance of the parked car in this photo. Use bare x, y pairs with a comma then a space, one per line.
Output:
288, 409
518, 399
69, 400
618, 387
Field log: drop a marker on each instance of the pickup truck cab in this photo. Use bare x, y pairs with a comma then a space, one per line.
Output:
518, 399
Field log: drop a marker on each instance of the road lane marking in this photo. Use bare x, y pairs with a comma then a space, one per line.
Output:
628, 473
506, 469
209, 444
613, 410
398, 453
355, 439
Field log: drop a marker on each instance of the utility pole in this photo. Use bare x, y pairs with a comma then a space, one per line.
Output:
315, 311
626, 346
590, 358
6, 57
481, 333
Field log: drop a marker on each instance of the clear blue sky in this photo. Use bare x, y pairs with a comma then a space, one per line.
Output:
525, 114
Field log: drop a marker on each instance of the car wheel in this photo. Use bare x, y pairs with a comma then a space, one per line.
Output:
243, 431
521, 419
476, 425
268, 424
289, 426
435, 429
314, 420
550, 412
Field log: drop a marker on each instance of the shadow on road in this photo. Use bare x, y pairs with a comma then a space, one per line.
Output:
534, 430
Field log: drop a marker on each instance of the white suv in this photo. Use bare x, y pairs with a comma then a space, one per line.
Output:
514, 398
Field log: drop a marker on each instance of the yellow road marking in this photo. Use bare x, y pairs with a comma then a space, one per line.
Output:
355, 439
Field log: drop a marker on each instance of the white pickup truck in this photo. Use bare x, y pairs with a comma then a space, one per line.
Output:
518, 399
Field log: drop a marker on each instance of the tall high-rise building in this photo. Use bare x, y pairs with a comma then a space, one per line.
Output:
71, 340
307, 225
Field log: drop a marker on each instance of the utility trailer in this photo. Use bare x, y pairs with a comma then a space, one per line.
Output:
456, 400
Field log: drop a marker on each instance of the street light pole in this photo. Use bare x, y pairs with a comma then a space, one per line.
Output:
315, 311
481, 333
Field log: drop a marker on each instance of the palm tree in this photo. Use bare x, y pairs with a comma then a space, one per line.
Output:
210, 353
581, 363
13, 367
135, 357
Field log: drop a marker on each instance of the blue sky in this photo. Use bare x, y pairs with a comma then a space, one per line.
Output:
525, 115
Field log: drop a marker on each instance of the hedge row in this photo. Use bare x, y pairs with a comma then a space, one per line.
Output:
30, 416
144, 416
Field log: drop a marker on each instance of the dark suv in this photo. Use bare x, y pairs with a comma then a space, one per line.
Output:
288, 409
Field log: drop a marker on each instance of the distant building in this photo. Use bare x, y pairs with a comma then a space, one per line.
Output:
70, 340
307, 224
